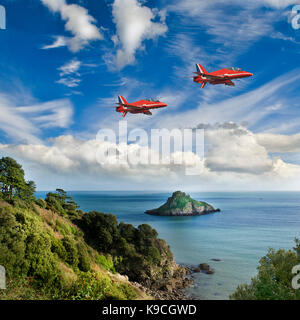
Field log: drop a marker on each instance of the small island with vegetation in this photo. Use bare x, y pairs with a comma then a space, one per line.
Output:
181, 204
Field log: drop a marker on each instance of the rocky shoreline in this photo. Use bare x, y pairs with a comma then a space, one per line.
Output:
174, 288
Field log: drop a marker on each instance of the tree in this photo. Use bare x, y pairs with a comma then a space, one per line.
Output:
274, 278
61, 202
27, 193
12, 179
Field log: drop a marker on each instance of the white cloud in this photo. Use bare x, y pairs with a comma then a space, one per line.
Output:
279, 4
236, 158
279, 142
234, 24
24, 123
69, 82
78, 22
134, 24
236, 150
60, 41
70, 67
252, 107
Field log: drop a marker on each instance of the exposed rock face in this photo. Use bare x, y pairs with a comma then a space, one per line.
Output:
181, 204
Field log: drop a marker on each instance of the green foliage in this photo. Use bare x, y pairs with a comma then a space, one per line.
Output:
72, 257
46, 256
274, 278
22, 289
41, 203
93, 286
180, 200
106, 262
12, 244
85, 260
58, 248
61, 203
101, 230
50, 267
138, 249
12, 181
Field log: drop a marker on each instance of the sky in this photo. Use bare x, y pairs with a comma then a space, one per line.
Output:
63, 63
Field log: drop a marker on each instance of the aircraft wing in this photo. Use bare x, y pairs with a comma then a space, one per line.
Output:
150, 106
210, 76
142, 107
129, 106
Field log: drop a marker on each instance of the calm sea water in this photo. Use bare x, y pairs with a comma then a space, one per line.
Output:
239, 235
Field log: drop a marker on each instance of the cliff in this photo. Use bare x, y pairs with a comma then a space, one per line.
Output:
51, 249
181, 204
50, 252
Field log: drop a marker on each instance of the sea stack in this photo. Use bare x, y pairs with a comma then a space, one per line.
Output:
181, 204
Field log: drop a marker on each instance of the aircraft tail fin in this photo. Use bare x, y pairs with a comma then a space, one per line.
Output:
200, 69
122, 100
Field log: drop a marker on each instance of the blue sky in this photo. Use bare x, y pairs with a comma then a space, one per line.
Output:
62, 62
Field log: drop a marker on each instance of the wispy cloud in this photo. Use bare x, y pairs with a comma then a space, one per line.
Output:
233, 24
252, 107
24, 123
70, 67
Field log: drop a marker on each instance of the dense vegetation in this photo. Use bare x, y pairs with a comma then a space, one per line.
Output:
138, 252
52, 250
12, 181
274, 278
180, 200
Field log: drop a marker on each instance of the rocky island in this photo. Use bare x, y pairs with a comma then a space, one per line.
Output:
181, 204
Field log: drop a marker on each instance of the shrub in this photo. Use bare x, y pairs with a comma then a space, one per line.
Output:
106, 263
72, 251
41, 203
84, 263
274, 278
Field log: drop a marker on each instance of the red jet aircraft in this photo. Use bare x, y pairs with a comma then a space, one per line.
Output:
142, 106
222, 76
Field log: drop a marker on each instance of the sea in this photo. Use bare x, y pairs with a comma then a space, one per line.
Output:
248, 225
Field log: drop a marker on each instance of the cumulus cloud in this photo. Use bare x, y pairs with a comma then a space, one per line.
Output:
279, 142
78, 22
134, 23
236, 150
234, 156
68, 154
